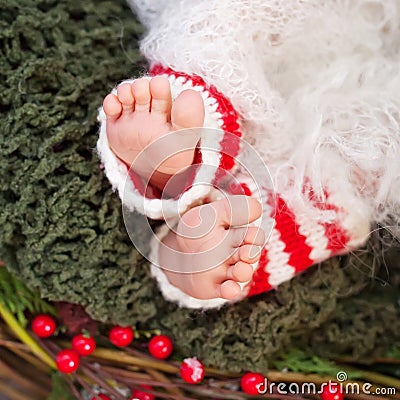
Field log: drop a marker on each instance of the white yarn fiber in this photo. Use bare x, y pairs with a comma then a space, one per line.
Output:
316, 82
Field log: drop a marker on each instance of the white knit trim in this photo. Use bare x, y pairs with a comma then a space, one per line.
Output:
315, 238
278, 268
118, 174
355, 221
170, 292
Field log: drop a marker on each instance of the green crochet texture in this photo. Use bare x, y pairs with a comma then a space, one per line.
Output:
61, 225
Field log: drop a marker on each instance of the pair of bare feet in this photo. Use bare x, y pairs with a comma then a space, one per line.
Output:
141, 113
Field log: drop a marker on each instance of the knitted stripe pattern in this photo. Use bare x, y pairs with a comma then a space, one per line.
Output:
296, 241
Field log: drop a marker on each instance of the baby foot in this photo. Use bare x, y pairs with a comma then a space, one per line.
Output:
214, 243
142, 112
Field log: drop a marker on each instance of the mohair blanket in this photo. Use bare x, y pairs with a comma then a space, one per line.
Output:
61, 225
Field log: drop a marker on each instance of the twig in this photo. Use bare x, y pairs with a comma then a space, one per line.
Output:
85, 385
6, 372
384, 380
225, 374
379, 360
11, 392
50, 346
126, 372
85, 369
386, 360
71, 385
129, 381
126, 377
10, 344
35, 362
23, 335
162, 378
121, 357
24, 351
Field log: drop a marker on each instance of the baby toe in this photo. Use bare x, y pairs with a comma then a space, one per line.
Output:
125, 96
255, 236
230, 290
187, 110
249, 253
240, 272
161, 96
141, 93
112, 106
248, 235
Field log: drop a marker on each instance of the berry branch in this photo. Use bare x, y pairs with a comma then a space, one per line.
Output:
126, 365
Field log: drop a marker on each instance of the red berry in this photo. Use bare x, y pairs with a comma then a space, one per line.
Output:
331, 391
83, 345
121, 336
160, 346
252, 383
139, 395
192, 370
67, 361
101, 396
43, 325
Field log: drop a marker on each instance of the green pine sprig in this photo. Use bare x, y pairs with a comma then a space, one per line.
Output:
394, 352
60, 388
18, 299
299, 361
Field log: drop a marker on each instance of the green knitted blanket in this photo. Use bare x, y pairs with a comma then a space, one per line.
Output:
61, 225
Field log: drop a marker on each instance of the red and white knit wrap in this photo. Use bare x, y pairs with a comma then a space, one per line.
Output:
296, 241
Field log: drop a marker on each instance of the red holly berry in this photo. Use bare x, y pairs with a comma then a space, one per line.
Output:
252, 383
331, 391
83, 345
160, 346
121, 336
192, 370
101, 396
67, 361
43, 325
139, 395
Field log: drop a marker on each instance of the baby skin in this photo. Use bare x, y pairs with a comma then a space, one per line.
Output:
213, 246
